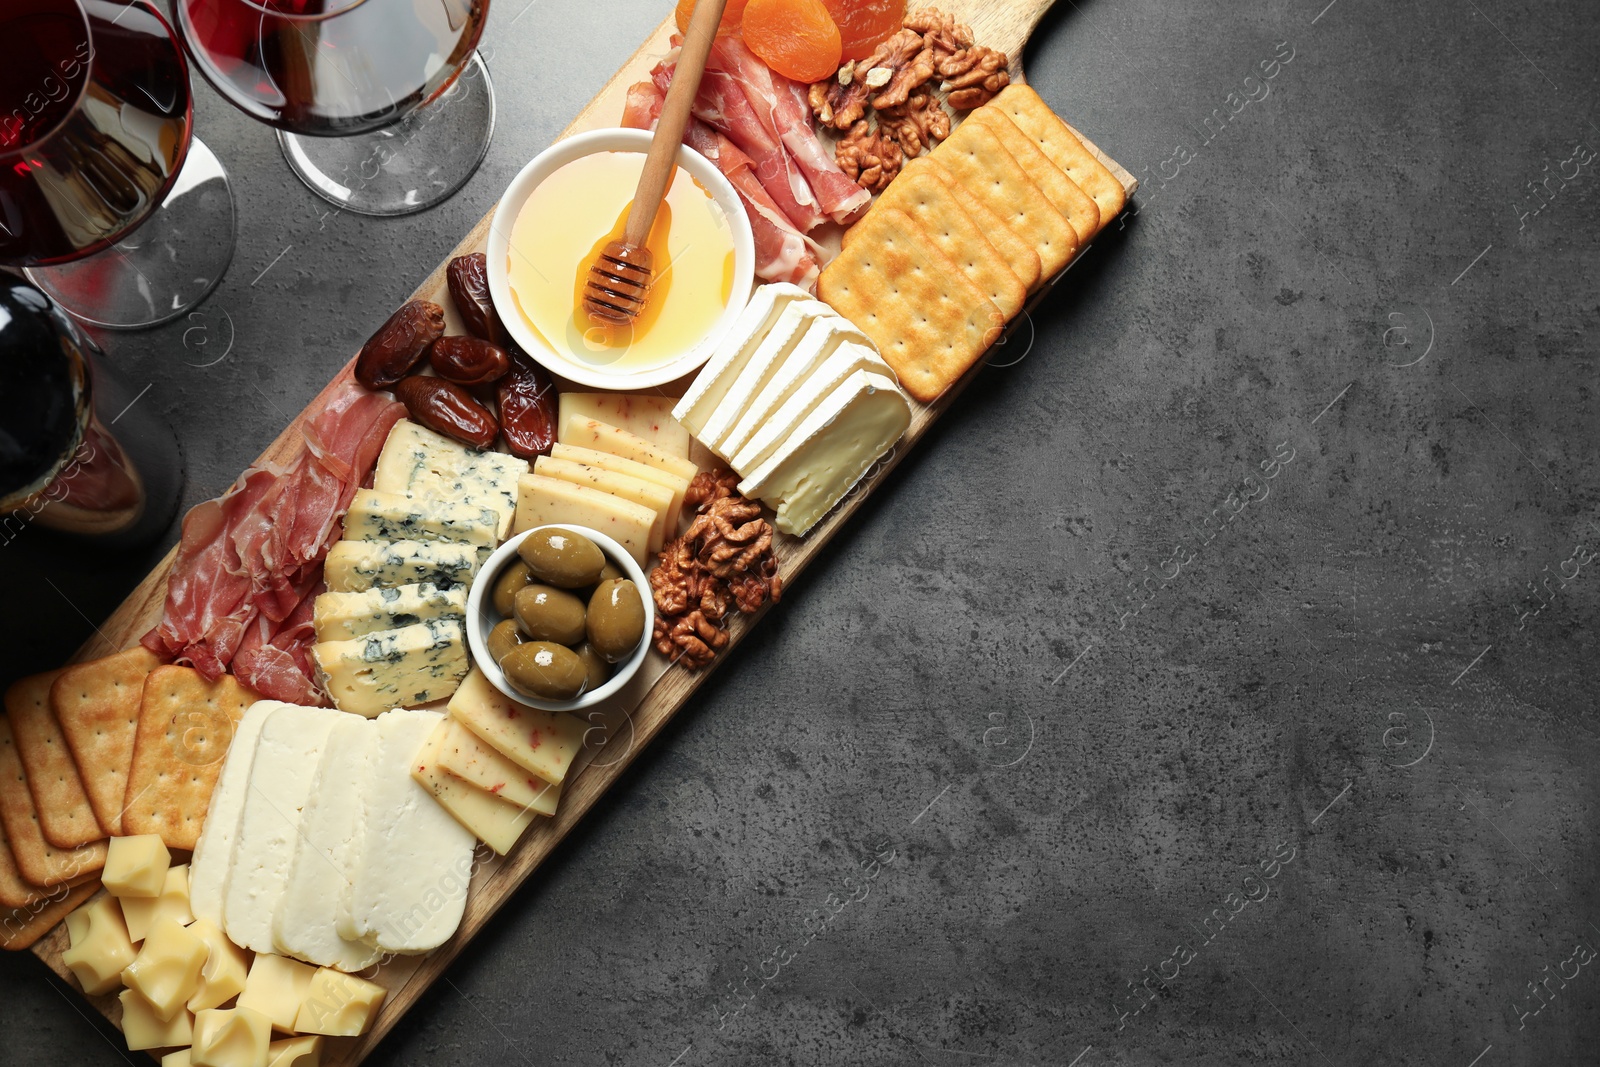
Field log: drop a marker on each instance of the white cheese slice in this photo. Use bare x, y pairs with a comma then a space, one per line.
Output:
208, 869
780, 342
822, 336
830, 450
385, 669
378, 516
341, 616
543, 500
356, 566
280, 785
645, 414
325, 853
592, 457
417, 460
410, 886
646, 494
711, 384
783, 420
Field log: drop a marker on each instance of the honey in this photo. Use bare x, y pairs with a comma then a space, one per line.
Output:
572, 215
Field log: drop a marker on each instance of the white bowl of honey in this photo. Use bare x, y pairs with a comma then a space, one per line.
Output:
562, 209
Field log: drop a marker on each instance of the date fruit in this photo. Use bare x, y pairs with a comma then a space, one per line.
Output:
527, 398
468, 279
468, 360
446, 408
399, 343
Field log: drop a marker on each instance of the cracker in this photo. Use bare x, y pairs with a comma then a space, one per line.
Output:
924, 196
21, 927
929, 320
97, 704
185, 726
1019, 254
65, 816
37, 860
1079, 208
1033, 117
981, 165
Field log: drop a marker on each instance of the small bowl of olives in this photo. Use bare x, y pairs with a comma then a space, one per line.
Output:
560, 617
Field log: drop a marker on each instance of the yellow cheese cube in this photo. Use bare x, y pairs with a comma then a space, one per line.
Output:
222, 977
136, 866
166, 972
142, 1028
472, 759
544, 742
339, 1005
590, 457
295, 1052
275, 987
635, 490
141, 913
490, 819
592, 433
542, 500
233, 1037
179, 1058
100, 948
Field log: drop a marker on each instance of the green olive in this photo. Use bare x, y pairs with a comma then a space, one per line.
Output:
610, 571
616, 619
503, 638
513, 578
562, 558
599, 670
545, 670
547, 614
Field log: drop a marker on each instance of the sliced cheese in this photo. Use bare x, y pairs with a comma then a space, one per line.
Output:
325, 853
417, 460
633, 469
356, 566
589, 433
410, 886
208, 867
277, 791
378, 516
542, 500
341, 616
459, 751
830, 450
543, 742
386, 669
778, 424
711, 384
780, 342
646, 494
645, 415
819, 341
497, 823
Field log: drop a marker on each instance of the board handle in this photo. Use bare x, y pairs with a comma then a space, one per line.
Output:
1004, 25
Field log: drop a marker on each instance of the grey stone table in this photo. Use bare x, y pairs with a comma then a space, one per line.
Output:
1217, 679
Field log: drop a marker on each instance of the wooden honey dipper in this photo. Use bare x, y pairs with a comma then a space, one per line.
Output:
619, 281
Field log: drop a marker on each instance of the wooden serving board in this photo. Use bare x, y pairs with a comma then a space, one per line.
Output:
1002, 24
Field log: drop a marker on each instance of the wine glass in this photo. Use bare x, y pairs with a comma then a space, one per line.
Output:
117, 210
382, 107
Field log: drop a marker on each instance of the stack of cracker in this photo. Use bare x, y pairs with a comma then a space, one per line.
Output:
116, 746
951, 250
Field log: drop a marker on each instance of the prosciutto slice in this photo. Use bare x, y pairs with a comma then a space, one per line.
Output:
783, 253
781, 106
249, 562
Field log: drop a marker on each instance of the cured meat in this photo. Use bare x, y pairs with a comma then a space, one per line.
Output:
249, 562
783, 253
781, 106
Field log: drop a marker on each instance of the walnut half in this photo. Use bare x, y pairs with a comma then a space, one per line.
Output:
973, 76
869, 156
917, 124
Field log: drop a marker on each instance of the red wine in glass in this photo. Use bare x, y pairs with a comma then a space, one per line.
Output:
95, 129
392, 88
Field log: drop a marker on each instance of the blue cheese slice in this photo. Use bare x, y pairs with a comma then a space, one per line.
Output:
417, 460
821, 338
777, 424
733, 352
830, 450
774, 349
341, 616
378, 516
385, 669
356, 566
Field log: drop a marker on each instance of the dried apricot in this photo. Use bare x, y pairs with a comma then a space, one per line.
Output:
730, 16
865, 24
796, 38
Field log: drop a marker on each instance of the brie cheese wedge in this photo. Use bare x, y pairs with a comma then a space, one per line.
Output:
842, 362
769, 355
821, 338
711, 384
